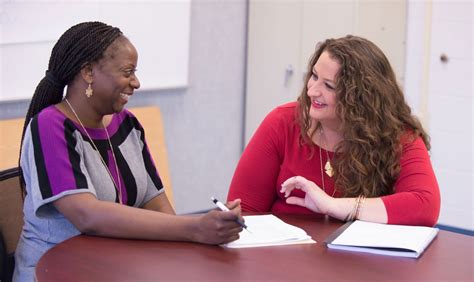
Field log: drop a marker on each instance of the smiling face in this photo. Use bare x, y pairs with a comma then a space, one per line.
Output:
114, 78
322, 91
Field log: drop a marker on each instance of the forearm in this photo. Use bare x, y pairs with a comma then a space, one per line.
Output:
91, 216
101, 218
113, 220
372, 209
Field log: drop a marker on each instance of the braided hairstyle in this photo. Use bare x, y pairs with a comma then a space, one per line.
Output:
81, 44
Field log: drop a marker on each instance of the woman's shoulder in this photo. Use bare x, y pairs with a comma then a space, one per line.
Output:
285, 111
49, 118
409, 137
281, 119
287, 108
412, 142
50, 112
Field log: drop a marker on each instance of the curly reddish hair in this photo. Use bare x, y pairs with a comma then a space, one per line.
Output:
376, 120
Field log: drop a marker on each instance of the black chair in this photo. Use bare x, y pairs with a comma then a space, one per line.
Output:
11, 220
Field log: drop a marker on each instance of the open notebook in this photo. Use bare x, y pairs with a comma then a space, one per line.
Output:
269, 230
384, 239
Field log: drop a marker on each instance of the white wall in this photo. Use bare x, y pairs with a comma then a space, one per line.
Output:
442, 95
27, 37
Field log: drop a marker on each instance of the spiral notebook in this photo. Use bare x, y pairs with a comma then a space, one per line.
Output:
384, 239
269, 230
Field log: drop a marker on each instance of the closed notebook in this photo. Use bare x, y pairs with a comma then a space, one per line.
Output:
269, 230
384, 239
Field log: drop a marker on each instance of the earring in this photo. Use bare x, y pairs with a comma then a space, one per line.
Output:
89, 90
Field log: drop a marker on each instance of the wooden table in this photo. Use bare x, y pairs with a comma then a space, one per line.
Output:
88, 258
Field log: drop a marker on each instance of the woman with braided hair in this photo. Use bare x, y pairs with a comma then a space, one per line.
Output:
85, 162
349, 147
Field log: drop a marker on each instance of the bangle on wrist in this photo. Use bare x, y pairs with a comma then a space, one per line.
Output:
359, 207
355, 211
350, 216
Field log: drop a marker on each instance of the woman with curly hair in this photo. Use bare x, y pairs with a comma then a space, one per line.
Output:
348, 148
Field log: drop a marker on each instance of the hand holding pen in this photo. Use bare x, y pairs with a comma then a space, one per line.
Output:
216, 227
223, 207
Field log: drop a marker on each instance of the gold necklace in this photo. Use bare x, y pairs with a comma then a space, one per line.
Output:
322, 173
327, 166
119, 186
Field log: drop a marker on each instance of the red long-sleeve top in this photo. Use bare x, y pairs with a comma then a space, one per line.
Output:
275, 154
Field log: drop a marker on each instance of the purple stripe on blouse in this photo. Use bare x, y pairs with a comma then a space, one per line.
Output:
54, 147
56, 155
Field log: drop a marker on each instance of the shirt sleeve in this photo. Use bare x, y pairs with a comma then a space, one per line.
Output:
154, 184
51, 163
416, 200
257, 171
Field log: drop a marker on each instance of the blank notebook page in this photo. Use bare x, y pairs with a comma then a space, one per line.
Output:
361, 233
268, 230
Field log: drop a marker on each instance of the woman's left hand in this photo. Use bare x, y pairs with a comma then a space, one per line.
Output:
315, 199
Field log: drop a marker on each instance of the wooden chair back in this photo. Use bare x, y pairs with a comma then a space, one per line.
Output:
11, 219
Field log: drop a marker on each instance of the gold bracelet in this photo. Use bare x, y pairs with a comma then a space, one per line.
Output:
359, 207
348, 217
352, 213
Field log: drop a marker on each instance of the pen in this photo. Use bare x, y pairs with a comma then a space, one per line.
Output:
222, 207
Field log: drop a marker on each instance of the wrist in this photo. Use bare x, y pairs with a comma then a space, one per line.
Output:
354, 214
335, 208
191, 228
342, 208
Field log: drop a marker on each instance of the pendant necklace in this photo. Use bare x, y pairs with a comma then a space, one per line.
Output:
327, 167
119, 186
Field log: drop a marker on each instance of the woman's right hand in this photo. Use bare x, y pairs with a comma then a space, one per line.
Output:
220, 227
315, 198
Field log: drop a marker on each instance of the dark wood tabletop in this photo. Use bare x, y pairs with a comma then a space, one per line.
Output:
89, 258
